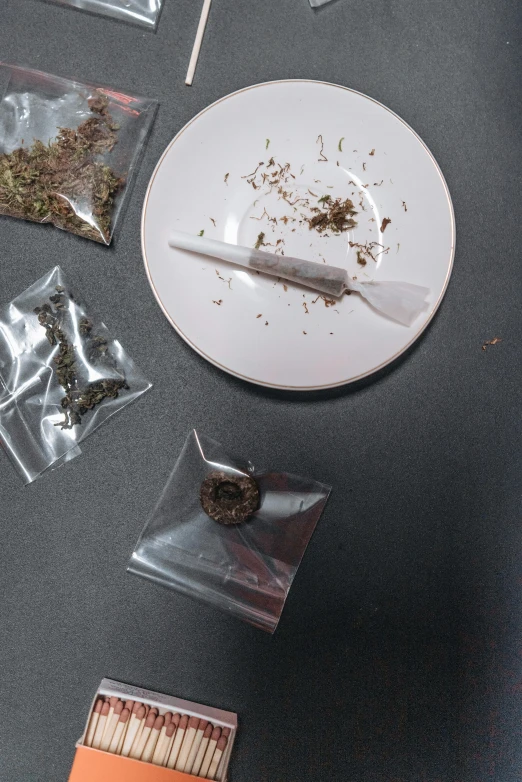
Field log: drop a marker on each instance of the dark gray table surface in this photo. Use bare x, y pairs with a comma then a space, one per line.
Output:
399, 655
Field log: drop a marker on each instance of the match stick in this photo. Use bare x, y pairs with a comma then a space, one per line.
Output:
136, 720
110, 727
118, 733
93, 722
112, 704
218, 754
161, 757
161, 746
180, 735
130, 705
195, 746
190, 735
197, 43
100, 727
171, 735
150, 746
139, 744
209, 754
201, 751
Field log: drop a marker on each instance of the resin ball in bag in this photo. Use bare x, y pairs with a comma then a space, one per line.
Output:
246, 567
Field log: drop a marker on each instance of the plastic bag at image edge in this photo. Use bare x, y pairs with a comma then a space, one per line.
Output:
31, 407
145, 13
69, 151
244, 569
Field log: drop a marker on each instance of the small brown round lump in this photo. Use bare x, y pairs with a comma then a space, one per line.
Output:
229, 499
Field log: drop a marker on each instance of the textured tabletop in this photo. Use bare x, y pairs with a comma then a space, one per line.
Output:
398, 657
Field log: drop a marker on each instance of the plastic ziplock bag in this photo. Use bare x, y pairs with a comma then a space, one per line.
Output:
68, 151
245, 569
143, 12
41, 421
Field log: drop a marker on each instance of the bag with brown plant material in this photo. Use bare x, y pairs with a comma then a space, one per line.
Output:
228, 534
68, 151
143, 12
61, 375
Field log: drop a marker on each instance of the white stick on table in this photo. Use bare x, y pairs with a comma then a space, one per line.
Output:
197, 43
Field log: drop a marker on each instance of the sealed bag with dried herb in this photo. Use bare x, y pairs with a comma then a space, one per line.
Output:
68, 151
143, 12
228, 534
61, 375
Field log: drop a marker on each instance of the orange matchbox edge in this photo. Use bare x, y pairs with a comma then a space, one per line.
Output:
92, 764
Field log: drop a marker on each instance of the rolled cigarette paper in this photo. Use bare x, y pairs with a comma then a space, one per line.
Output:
218, 754
190, 735
136, 720
93, 722
202, 749
195, 746
209, 754
161, 745
401, 301
112, 723
180, 735
100, 728
171, 735
112, 705
139, 744
118, 733
150, 746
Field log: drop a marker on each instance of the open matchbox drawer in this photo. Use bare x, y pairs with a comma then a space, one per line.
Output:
94, 765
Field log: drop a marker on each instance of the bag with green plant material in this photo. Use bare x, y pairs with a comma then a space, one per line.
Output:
61, 375
68, 151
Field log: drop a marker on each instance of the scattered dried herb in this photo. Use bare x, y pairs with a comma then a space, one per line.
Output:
81, 395
322, 156
337, 217
267, 143
260, 315
404, 206
304, 332
493, 341
385, 222
360, 258
212, 221
59, 181
372, 153
305, 308
340, 145
266, 323
201, 233
226, 179
378, 184
260, 241
229, 499
364, 166
219, 302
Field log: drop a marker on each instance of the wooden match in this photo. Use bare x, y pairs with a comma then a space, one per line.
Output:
218, 754
202, 750
93, 722
180, 735
197, 43
209, 754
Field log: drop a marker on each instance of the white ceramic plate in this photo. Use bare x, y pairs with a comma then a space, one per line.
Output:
261, 330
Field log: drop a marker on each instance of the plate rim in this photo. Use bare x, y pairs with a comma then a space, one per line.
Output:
257, 381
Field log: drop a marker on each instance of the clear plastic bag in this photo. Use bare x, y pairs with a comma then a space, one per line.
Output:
143, 12
42, 421
68, 151
245, 569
